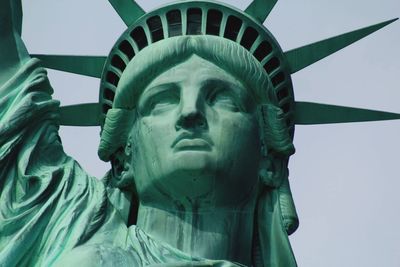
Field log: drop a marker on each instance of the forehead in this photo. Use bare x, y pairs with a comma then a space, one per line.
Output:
194, 71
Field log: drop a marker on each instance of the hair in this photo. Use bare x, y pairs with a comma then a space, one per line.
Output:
240, 63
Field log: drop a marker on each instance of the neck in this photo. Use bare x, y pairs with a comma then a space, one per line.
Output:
216, 234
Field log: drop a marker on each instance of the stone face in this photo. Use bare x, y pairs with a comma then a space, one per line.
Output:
198, 126
195, 139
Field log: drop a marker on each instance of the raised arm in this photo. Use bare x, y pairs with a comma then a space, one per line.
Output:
13, 53
48, 204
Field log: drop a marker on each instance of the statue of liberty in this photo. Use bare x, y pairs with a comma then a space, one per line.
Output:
197, 117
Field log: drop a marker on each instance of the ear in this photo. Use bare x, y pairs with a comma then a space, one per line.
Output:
121, 162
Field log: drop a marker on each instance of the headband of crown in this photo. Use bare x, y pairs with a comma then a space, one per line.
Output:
211, 18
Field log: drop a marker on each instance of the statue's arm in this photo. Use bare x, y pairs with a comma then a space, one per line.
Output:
48, 204
13, 53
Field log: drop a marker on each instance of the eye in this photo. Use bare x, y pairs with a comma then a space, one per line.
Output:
223, 98
160, 102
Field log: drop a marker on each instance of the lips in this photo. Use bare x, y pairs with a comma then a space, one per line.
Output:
192, 142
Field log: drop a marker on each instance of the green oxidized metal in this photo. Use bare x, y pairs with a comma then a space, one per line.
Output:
204, 18
227, 22
180, 193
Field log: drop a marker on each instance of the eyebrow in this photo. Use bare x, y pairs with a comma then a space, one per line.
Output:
149, 92
215, 82
239, 91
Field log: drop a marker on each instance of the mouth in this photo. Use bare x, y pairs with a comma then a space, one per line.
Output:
187, 142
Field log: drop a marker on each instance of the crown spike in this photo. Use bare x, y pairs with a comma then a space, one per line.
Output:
260, 9
85, 65
87, 114
305, 56
307, 113
128, 10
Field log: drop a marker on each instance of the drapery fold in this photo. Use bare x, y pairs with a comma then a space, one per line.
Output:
48, 203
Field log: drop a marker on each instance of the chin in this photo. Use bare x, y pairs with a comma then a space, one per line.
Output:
190, 175
201, 161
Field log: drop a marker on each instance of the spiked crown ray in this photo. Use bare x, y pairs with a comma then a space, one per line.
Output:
211, 18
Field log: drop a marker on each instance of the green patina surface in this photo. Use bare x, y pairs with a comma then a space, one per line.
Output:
197, 114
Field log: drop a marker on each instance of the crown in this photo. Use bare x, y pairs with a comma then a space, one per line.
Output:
211, 18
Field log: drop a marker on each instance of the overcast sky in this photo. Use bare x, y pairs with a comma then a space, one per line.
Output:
345, 178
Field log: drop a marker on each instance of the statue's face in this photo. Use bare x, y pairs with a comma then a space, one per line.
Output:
196, 139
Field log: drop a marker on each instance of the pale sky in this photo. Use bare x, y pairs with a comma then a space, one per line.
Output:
345, 178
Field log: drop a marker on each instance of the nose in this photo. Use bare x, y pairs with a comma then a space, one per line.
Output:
191, 116
191, 121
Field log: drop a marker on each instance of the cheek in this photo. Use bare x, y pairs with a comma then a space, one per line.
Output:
239, 155
238, 147
245, 148
238, 134
153, 139
154, 134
